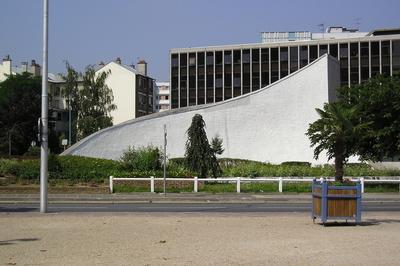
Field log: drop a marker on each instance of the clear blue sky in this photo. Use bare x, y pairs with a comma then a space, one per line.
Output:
88, 31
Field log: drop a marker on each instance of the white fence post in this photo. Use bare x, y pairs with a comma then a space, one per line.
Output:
362, 184
195, 184
321, 180
238, 185
152, 184
280, 184
111, 184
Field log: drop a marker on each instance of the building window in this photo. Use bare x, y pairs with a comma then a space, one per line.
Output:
354, 63
303, 56
385, 48
255, 69
313, 52
396, 55
323, 49
237, 73
246, 71
284, 64
294, 59
265, 67
192, 79
200, 78
174, 80
274, 64
364, 60
227, 75
218, 76
333, 50
344, 67
183, 85
210, 77
375, 64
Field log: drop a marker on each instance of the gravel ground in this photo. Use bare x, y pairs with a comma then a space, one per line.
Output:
195, 239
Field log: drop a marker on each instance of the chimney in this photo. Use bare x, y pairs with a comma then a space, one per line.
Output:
24, 66
7, 58
118, 60
7, 65
101, 64
142, 67
35, 68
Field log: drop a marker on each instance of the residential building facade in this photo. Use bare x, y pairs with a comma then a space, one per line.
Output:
161, 97
216, 73
132, 89
6, 68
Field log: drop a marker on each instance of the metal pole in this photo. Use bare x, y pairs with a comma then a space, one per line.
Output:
165, 159
9, 143
44, 116
69, 119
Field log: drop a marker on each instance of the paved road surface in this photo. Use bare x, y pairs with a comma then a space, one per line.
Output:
186, 207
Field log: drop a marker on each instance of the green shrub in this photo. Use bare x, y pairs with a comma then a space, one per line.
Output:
295, 163
87, 169
141, 159
33, 151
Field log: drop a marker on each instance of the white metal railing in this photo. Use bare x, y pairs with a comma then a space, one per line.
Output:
239, 180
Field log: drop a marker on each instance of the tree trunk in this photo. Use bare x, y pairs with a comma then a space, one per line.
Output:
339, 161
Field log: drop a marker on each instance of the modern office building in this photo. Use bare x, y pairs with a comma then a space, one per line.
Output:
161, 97
217, 73
266, 125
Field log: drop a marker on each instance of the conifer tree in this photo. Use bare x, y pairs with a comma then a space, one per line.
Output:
199, 155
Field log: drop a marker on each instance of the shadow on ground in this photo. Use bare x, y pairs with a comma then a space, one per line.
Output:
21, 209
366, 222
15, 241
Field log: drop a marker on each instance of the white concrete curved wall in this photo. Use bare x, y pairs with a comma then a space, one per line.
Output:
267, 125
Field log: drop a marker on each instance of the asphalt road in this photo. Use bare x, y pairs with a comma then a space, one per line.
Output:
184, 207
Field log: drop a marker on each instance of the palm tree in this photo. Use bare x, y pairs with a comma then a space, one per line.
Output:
336, 132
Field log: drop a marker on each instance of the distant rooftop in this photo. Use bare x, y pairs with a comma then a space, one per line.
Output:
333, 32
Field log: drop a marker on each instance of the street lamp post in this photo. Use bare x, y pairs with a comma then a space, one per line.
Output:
165, 159
44, 114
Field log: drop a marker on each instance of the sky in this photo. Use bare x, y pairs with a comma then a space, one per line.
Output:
85, 32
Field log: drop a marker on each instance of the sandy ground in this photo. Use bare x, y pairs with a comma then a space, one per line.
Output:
195, 239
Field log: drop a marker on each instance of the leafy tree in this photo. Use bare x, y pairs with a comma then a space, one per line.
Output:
378, 106
336, 131
71, 93
94, 103
199, 156
216, 145
20, 107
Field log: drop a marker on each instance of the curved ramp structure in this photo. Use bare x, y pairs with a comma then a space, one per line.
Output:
266, 125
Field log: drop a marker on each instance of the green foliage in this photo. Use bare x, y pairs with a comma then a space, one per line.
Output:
199, 155
216, 145
94, 104
336, 132
19, 112
295, 163
33, 151
378, 106
141, 159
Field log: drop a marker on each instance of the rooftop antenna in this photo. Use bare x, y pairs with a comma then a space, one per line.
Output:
358, 23
322, 28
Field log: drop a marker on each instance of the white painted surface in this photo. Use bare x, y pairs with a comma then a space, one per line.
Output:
5, 69
122, 82
267, 125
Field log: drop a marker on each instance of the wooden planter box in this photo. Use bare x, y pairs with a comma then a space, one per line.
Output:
336, 202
